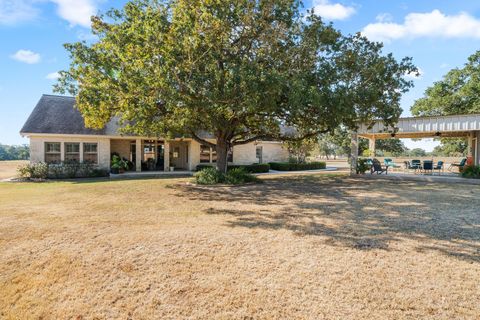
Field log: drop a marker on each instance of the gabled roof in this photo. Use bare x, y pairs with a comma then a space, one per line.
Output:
58, 115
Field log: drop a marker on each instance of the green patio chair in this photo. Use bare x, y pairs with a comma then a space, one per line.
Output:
428, 166
390, 163
414, 165
460, 165
439, 167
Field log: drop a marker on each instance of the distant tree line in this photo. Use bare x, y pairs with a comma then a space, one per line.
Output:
14, 152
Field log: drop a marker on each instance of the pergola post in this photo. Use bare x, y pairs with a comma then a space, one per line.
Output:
371, 146
166, 156
354, 153
138, 155
470, 144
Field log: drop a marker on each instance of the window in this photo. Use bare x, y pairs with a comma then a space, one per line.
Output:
90, 153
259, 154
204, 154
52, 152
214, 154
230, 155
72, 152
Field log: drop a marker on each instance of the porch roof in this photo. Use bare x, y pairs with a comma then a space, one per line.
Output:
424, 127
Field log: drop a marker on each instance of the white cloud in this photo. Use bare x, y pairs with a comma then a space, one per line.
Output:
16, 11
77, 12
26, 56
384, 17
432, 24
53, 76
332, 11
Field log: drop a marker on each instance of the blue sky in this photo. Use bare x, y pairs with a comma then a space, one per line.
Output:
438, 34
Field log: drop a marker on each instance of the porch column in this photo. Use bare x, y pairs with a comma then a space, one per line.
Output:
166, 156
354, 153
371, 146
138, 155
470, 144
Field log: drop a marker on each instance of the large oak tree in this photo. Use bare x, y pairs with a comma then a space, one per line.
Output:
242, 70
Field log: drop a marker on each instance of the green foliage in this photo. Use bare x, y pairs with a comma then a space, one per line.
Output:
236, 68
209, 176
14, 152
390, 147
252, 168
239, 176
471, 172
64, 170
118, 164
288, 166
451, 147
299, 150
33, 171
362, 166
456, 93
416, 152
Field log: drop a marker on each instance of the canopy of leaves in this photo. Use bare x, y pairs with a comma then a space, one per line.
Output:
457, 93
14, 152
239, 69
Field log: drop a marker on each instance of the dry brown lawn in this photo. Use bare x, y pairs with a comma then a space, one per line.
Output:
8, 169
310, 247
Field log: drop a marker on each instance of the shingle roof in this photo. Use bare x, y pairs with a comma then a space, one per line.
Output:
58, 115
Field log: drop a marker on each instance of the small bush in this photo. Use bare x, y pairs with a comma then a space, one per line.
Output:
239, 176
471, 172
33, 171
362, 166
209, 176
252, 168
292, 166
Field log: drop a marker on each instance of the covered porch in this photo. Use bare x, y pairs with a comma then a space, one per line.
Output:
458, 126
154, 155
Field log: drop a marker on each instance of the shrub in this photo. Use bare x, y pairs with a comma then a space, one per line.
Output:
287, 166
209, 176
362, 166
239, 176
252, 168
471, 172
33, 171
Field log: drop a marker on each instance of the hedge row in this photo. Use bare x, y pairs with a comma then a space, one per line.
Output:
287, 166
252, 168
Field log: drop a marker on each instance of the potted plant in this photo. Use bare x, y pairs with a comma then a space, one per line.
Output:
118, 165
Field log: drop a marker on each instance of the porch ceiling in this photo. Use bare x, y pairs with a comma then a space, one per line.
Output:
414, 135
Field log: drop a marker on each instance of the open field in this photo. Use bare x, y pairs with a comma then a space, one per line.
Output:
8, 169
311, 247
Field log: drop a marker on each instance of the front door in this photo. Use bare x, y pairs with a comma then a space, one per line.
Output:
179, 155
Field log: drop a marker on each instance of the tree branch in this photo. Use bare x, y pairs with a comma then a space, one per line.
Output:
202, 141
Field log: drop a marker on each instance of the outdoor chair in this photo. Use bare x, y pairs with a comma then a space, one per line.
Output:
439, 167
428, 166
377, 167
460, 165
413, 165
369, 162
390, 163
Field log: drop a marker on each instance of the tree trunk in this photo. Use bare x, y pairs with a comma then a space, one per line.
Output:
222, 153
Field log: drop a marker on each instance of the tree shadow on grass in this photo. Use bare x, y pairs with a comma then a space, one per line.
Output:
353, 212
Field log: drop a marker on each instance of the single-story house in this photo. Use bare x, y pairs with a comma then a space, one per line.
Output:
57, 132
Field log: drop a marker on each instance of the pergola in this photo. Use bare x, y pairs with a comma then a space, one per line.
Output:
458, 126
